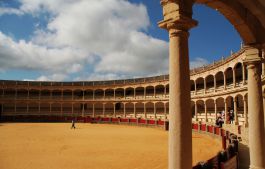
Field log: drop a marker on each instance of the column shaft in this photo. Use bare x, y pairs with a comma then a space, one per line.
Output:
180, 135
245, 112
196, 111
255, 109
235, 112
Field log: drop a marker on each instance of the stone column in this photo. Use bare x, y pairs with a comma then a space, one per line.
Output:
154, 92
205, 111
226, 111
235, 112
93, 109
145, 110
177, 20
155, 109
214, 81
215, 109
243, 74
205, 85
144, 93
195, 87
124, 110
93, 94
224, 80
234, 77
245, 111
134, 110
196, 111
256, 115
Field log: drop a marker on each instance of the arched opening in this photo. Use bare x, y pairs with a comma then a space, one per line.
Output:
56, 109
192, 86
109, 109
200, 85
109, 93
67, 109
99, 94
201, 110
192, 105
229, 77
239, 73
78, 94
44, 108
209, 83
34, 94
119, 93
88, 94
129, 109
139, 110
119, 108
160, 110
240, 109
98, 108
21, 93
129, 92
150, 91
67, 95
219, 77
159, 90
33, 108
21, 108
167, 90
139, 92
210, 110
150, 110
56, 95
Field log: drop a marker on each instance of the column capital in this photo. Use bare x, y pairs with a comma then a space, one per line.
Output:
179, 24
251, 56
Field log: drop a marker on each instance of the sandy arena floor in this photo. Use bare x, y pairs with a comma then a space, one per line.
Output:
56, 146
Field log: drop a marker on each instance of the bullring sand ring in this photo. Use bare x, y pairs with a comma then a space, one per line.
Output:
91, 146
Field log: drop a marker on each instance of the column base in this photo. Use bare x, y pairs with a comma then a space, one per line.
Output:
254, 167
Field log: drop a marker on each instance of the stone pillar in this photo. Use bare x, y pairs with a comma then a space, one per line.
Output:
155, 92
155, 109
226, 111
144, 93
205, 111
224, 80
145, 110
214, 81
244, 74
255, 109
234, 77
114, 94
215, 109
134, 110
93, 94
205, 85
178, 21
235, 112
245, 111
93, 109
104, 94
196, 110
124, 110
134, 93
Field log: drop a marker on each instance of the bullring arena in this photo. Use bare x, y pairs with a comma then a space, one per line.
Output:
122, 123
132, 105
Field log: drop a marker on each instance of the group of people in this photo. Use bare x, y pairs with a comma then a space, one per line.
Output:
221, 118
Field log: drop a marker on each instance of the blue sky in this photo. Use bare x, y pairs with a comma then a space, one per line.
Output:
59, 40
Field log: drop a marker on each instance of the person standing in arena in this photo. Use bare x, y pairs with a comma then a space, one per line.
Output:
73, 124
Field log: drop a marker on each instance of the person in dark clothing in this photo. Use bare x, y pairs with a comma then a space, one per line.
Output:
73, 124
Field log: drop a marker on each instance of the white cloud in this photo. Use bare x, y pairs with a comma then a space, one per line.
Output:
198, 62
104, 35
10, 11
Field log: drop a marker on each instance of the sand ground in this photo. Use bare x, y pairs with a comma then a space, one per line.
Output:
90, 146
